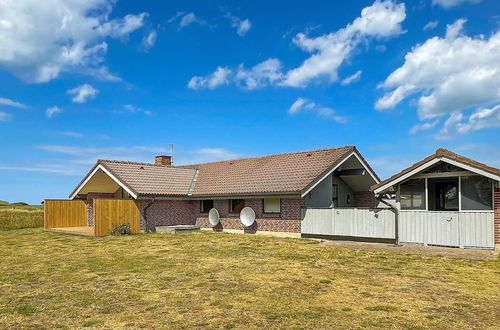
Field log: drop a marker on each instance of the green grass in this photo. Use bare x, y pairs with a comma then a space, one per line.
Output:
18, 219
215, 280
19, 206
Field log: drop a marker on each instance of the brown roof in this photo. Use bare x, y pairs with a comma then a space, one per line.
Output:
289, 173
440, 153
281, 173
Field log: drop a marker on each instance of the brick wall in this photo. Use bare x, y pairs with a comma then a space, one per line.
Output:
365, 199
168, 213
497, 216
287, 221
90, 204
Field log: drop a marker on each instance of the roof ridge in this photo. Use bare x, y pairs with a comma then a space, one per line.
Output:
131, 162
271, 155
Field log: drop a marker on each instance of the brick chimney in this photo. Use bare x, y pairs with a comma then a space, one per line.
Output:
163, 160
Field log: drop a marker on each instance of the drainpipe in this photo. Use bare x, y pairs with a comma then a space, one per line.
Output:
396, 222
146, 215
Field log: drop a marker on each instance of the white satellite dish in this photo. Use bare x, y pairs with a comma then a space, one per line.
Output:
213, 217
247, 216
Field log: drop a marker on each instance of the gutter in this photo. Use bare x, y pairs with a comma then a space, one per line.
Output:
396, 222
146, 214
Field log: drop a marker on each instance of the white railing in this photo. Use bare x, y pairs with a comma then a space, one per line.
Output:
352, 222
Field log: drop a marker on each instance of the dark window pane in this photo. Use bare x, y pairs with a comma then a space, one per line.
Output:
443, 194
476, 193
412, 195
236, 205
206, 206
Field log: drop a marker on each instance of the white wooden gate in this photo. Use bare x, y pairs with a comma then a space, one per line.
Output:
351, 222
456, 229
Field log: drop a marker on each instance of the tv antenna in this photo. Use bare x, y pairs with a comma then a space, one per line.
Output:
171, 153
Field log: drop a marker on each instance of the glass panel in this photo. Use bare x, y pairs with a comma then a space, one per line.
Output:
236, 205
476, 193
443, 194
206, 205
272, 205
412, 195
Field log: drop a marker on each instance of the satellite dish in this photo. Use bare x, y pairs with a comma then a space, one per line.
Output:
247, 216
213, 217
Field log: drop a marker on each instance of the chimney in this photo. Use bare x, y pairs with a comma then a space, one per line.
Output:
163, 160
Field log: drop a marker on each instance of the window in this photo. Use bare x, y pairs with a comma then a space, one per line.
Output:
443, 194
412, 195
476, 193
272, 205
206, 206
236, 205
335, 195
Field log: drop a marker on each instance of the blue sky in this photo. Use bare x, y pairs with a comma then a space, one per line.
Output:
83, 80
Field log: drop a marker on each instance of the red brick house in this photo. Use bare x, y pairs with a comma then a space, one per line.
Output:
275, 187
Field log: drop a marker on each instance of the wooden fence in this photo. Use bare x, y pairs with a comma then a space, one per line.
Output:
109, 212
65, 213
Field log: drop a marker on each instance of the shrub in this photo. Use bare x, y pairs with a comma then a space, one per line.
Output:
121, 229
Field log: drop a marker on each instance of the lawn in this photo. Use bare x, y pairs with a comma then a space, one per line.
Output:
212, 280
20, 218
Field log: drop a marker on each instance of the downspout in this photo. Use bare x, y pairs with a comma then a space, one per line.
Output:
146, 215
396, 215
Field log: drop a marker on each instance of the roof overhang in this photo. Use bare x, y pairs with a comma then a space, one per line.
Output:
91, 174
338, 165
382, 189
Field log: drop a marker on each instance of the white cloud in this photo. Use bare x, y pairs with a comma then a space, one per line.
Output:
149, 40
352, 78
4, 116
241, 26
452, 3
305, 105
133, 109
218, 78
71, 134
189, 19
430, 25
50, 112
449, 74
422, 127
381, 19
41, 39
83, 93
480, 119
265, 73
12, 103
176, 16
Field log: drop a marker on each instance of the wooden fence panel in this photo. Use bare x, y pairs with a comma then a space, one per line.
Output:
65, 213
109, 212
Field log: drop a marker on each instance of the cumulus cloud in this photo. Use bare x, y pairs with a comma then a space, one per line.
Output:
422, 127
430, 25
241, 26
452, 3
39, 40
52, 111
305, 105
189, 19
447, 74
458, 124
149, 40
83, 93
380, 20
218, 78
12, 103
4, 116
352, 78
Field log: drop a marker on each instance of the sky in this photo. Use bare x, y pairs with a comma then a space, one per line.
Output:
83, 80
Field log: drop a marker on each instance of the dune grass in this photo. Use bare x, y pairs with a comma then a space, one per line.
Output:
220, 280
18, 218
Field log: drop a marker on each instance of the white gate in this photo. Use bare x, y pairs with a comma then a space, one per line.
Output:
456, 229
352, 222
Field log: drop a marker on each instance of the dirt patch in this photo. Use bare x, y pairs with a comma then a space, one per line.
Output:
415, 249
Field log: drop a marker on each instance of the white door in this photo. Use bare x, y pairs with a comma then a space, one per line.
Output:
443, 229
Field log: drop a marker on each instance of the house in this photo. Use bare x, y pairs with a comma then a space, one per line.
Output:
447, 200
275, 188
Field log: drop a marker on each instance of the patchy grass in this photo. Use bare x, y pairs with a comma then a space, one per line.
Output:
50, 280
19, 219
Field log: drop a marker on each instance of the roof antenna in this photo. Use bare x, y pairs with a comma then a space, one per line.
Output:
171, 153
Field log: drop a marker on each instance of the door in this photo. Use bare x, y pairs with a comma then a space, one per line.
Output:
443, 229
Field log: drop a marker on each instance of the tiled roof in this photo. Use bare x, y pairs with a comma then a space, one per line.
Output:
281, 173
288, 173
440, 153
